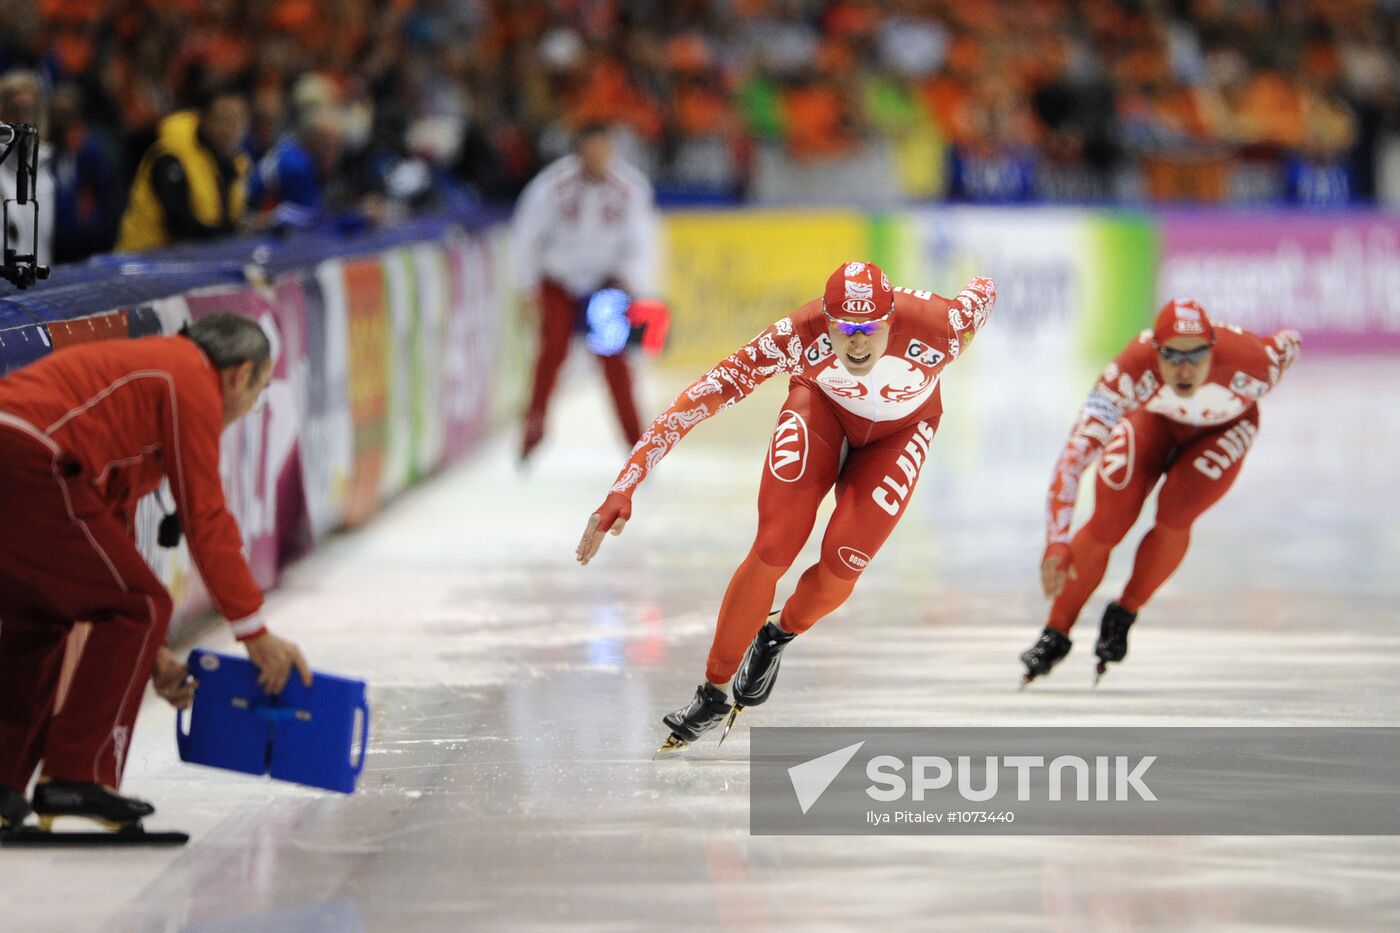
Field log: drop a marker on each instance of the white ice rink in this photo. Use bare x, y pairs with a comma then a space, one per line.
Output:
517, 697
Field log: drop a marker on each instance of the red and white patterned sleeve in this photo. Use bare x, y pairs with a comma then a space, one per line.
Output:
1282, 349
777, 350
1263, 361
1122, 387
967, 314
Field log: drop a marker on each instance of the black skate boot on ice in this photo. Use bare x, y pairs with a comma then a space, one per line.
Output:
758, 675
13, 809
120, 815
702, 714
1113, 638
1040, 658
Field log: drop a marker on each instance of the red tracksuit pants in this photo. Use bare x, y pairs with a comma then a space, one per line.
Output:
64, 556
559, 316
804, 461
1199, 465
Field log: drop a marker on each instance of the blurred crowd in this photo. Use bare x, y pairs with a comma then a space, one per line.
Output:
361, 108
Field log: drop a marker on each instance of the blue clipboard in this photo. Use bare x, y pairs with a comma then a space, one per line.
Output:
314, 735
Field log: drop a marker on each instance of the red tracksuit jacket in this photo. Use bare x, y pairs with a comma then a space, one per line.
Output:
133, 412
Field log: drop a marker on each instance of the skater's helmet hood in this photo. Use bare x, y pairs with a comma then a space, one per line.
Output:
858, 291
1182, 317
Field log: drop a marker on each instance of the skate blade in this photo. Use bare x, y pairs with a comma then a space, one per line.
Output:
127, 835
673, 745
729, 724
1100, 671
46, 822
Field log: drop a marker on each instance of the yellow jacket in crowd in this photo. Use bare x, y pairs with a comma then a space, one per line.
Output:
184, 190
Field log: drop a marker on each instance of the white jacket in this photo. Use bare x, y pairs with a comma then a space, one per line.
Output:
582, 233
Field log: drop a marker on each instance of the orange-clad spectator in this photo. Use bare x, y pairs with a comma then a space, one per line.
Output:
608, 95
1270, 112
816, 116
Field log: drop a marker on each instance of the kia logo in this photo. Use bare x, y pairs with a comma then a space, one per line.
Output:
858, 306
1116, 466
787, 455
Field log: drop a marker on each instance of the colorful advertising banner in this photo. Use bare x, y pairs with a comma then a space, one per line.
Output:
368, 321
469, 371
401, 353
730, 275
430, 278
1067, 279
257, 455
1334, 277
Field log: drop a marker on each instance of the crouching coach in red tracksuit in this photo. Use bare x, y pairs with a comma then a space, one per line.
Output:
84, 433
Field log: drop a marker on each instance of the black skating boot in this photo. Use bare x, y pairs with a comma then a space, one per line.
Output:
758, 675
703, 713
1040, 658
1113, 637
120, 815
92, 801
13, 808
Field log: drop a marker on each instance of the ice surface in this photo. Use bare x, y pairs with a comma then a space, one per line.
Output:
517, 696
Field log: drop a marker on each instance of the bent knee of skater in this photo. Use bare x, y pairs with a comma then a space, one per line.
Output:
1174, 523
775, 551
1109, 531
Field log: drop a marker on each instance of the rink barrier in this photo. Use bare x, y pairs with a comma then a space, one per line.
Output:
385, 370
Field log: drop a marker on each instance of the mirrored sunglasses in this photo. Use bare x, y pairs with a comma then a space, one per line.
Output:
1177, 357
850, 328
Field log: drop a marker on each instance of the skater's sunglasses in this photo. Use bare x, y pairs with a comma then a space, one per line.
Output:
1176, 357
850, 328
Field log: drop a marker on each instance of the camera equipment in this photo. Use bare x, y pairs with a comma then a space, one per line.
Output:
22, 269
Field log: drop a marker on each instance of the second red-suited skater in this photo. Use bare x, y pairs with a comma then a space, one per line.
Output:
1179, 405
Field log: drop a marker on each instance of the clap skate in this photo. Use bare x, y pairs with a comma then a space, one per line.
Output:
688, 723
1113, 638
758, 675
1040, 658
120, 815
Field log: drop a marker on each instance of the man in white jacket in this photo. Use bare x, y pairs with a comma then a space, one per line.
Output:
585, 222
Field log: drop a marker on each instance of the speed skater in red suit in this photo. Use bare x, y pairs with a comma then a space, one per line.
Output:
1179, 405
863, 405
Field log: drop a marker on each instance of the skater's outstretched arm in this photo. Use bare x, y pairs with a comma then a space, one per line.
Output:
777, 350
1120, 389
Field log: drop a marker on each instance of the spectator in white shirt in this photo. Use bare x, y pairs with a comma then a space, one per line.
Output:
585, 222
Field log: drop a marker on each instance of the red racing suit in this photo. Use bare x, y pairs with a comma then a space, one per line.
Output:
887, 418
1145, 430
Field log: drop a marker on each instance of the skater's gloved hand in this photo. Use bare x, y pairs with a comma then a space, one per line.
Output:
275, 658
1056, 567
612, 516
172, 679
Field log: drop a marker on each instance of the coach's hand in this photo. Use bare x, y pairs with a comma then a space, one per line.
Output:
172, 679
1056, 567
275, 658
612, 516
